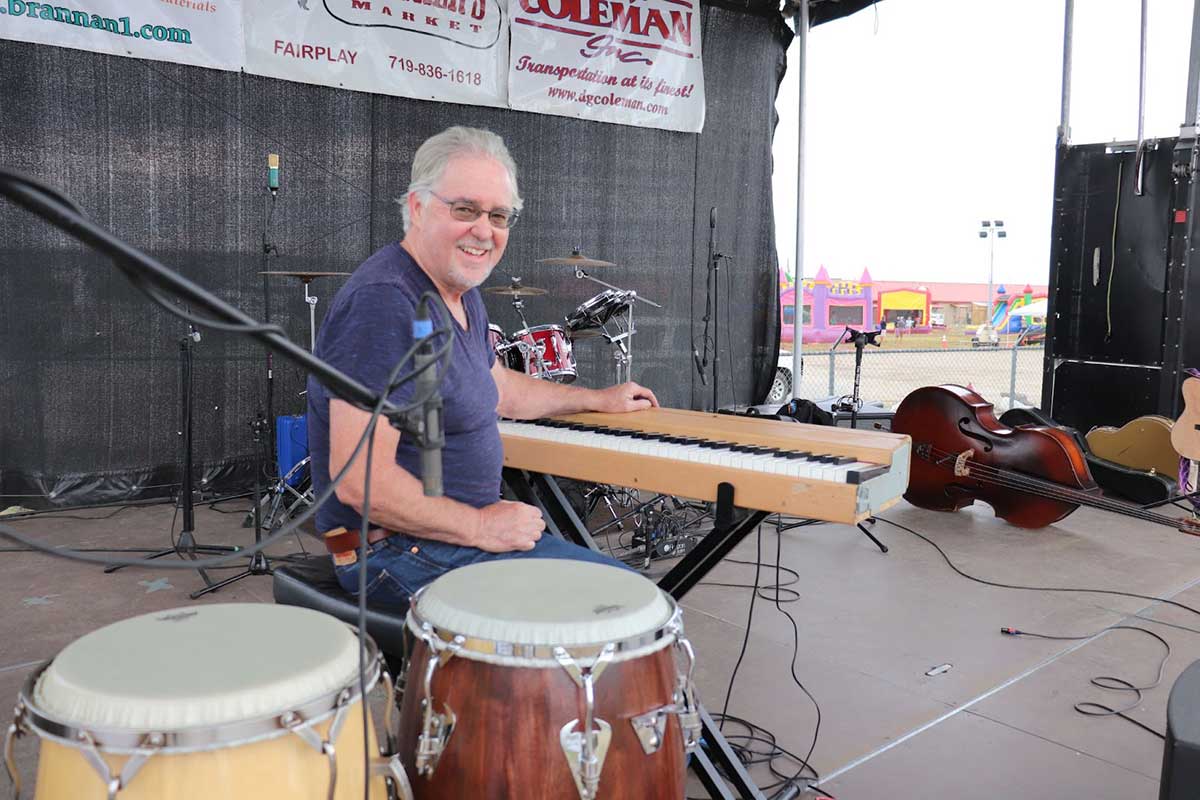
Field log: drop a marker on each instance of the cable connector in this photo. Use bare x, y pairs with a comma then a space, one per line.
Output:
1010, 631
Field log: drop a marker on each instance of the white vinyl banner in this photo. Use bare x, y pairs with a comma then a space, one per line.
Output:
635, 62
206, 33
450, 50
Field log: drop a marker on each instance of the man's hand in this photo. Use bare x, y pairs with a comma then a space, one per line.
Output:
506, 526
625, 397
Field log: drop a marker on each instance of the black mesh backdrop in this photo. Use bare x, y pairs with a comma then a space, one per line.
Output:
173, 159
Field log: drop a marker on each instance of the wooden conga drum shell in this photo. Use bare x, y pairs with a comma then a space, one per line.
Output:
505, 743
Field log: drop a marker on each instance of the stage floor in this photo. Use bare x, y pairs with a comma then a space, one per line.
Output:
999, 721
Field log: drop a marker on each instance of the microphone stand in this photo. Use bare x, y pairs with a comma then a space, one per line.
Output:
714, 272
860, 339
186, 546
258, 562
141, 269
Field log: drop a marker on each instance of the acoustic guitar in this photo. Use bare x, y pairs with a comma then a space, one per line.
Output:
1185, 433
1143, 443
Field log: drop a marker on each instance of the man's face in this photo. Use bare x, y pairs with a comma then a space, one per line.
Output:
460, 255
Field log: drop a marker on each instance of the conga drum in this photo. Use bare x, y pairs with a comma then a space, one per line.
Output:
233, 701
547, 679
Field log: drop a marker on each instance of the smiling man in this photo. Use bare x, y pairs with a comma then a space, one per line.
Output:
461, 204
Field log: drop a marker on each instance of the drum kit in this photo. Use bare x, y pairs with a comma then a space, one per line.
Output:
576, 679
547, 351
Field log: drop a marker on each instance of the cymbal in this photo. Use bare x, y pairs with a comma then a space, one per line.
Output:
303, 276
517, 291
576, 259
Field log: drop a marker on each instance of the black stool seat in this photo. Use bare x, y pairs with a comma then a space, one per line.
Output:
312, 583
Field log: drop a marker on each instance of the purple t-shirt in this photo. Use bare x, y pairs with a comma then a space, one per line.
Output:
364, 334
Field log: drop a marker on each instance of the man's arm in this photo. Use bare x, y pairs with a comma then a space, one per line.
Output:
523, 397
398, 501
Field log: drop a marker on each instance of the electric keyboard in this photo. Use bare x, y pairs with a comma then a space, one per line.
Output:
814, 471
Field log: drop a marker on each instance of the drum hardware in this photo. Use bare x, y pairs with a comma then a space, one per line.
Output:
585, 750
309, 299
294, 723
435, 728
277, 488
649, 727
623, 355
259, 565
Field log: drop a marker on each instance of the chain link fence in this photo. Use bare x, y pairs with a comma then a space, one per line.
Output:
998, 374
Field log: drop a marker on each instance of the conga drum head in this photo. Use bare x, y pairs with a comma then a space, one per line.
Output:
198, 667
516, 658
227, 700
497, 604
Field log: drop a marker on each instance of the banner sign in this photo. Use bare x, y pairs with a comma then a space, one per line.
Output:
450, 50
205, 33
635, 62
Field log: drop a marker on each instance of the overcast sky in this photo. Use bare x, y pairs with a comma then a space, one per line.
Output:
926, 116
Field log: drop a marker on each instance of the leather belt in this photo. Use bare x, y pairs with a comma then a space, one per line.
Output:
340, 542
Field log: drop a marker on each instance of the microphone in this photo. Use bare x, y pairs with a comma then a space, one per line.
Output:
426, 385
699, 367
273, 172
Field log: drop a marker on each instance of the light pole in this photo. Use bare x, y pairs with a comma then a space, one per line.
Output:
991, 230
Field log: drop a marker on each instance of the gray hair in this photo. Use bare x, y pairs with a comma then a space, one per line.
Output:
429, 164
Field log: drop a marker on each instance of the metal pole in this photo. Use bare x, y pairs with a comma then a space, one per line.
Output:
1191, 114
1141, 126
991, 265
802, 25
1064, 124
1012, 377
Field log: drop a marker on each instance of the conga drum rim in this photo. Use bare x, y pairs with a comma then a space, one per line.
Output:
634, 618
224, 727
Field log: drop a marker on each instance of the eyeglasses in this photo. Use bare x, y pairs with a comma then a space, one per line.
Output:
466, 211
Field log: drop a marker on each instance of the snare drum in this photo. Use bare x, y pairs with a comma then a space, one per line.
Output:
557, 359
547, 678
598, 310
231, 701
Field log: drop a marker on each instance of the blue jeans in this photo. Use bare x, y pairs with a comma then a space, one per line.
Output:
401, 564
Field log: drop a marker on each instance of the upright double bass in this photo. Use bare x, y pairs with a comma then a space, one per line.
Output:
1031, 476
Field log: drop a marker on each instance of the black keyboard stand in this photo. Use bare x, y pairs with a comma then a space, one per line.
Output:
715, 763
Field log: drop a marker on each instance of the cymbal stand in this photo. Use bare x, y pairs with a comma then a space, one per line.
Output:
311, 300
526, 350
258, 562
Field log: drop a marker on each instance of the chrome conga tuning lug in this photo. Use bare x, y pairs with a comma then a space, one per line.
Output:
585, 752
435, 728
689, 723
650, 729
434, 735
15, 730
